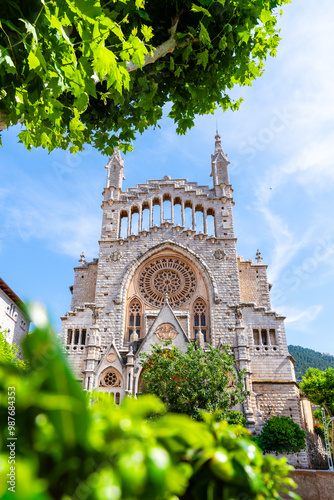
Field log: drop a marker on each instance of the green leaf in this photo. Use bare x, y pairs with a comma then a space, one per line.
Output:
33, 61
222, 43
204, 35
266, 16
81, 103
30, 29
147, 32
104, 62
203, 58
197, 8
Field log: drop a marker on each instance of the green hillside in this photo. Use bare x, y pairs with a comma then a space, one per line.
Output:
307, 358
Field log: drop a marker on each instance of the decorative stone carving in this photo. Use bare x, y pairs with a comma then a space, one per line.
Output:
111, 357
238, 315
219, 254
167, 275
110, 378
115, 256
166, 331
96, 311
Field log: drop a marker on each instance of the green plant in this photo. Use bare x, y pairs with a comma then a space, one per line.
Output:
10, 353
235, 418
188, 382
69, 449
281, 434
84, 71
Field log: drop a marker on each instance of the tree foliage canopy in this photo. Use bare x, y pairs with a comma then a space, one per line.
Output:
281, 434
318, 387
308, 358
83, 71
192, 381
70, 449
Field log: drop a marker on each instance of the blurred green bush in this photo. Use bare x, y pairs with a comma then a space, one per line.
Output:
69, 447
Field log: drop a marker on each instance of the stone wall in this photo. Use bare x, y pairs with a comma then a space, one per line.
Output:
84, 284
254, 285
313, 484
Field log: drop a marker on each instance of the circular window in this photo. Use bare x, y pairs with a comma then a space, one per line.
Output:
169, 275
110, 379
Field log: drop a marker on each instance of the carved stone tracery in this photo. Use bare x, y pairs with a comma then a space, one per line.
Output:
111, 378
167, 275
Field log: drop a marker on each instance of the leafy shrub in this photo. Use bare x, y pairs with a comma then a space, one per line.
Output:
192, 381
281, 435
235, 418
69, 449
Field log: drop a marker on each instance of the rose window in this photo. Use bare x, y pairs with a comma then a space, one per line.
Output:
171, 276
110, 379
167, 281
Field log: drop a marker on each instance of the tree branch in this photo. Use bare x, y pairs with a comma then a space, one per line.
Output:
163, 49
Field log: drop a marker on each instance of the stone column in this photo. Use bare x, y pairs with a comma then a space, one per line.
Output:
194, 217
128, 383
241, 354
172, 210
161, 211
205, 222
140, 222
182, 214
92, 359
129, 222
151, 213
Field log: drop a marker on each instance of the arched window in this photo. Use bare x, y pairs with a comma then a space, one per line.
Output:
110, 378
124, 222
210, 218
135, 318
200, 318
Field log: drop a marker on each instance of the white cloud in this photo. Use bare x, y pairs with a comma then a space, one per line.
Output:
301, 318
45, 212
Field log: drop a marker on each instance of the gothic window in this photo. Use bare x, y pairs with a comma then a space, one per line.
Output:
178, 212
264, 337
76, 337
83, 337
272, 335
69, 336
200, 317
167, 275
123, 228
110, 379
211, 227
199, 215
256, 337
167, 208
135, 220
135, 318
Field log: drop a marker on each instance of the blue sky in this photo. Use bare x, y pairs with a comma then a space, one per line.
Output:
280, 144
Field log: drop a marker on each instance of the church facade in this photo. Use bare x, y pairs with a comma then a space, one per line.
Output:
168, 269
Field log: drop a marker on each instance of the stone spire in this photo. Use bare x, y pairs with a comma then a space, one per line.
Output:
115, 168
219, 163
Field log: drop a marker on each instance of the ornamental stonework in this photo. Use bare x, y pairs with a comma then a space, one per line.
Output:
110, 379
166, 331
167, 276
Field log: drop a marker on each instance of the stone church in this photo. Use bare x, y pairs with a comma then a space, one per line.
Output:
168, 269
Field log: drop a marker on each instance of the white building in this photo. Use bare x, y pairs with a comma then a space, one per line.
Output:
12, 318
